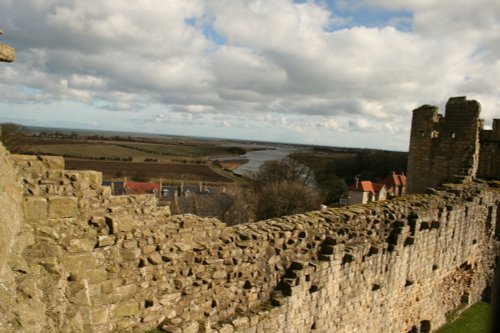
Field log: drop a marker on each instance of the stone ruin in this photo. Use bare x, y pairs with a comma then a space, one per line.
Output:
454, 147
7, 53
74, 258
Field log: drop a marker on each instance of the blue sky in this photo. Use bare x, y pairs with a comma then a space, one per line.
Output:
343, 73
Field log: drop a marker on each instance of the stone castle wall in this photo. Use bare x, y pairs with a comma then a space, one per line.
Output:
85, 261
489, 162
453, 147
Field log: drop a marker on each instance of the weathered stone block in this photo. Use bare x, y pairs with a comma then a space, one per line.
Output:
122, 223
97, 275
148, 249
171, 329
107, 287
35, 208
100, 315
81, 245
130, 254
53, 162
155, 258
79, 263
60, 207
241, 322
105, 241
190, 327
126, 291
227, 328
126, 309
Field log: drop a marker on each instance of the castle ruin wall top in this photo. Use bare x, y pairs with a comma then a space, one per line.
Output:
7, 53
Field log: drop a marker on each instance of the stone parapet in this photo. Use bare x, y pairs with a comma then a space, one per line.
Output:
93, 262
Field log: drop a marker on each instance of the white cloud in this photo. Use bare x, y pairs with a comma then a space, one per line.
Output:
279, 63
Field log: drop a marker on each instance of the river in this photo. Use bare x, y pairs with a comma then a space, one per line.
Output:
258, 157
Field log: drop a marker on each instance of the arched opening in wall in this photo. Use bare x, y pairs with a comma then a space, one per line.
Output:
425, 326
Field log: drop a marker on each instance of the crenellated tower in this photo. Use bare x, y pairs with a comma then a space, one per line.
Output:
444, 148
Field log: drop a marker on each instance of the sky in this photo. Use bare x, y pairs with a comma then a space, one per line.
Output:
337, 73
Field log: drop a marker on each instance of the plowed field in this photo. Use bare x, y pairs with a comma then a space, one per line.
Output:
174, 171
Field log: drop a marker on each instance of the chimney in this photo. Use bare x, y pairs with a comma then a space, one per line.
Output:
357, 181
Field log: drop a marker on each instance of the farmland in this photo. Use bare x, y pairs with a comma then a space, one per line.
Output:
144, 159
146, 171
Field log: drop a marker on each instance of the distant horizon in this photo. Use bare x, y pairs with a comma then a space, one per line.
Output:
166, 136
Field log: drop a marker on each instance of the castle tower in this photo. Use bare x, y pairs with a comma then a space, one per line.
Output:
489, 159
444, 148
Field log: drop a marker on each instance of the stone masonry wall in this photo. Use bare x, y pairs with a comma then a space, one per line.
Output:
489, 159
442, 148
86, 261
7, 53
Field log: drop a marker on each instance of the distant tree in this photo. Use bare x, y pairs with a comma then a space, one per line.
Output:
285, 198
286, 169
284, 187
338, 187
243, 206
237, 150
14, 137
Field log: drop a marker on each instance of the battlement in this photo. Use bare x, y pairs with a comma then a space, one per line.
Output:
451, 148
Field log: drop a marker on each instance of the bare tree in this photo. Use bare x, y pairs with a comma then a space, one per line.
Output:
285, 198
242, 209
284, 187
286, 169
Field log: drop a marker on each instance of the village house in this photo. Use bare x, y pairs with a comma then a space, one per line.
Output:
361, 192
395, 184
365, 191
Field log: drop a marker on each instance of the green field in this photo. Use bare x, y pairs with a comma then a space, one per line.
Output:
185, 150
91, 150
169, 159
476, 319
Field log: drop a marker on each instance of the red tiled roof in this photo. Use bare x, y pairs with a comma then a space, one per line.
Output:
402, 179
363, 186
141, 188
378, 187
394, 180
